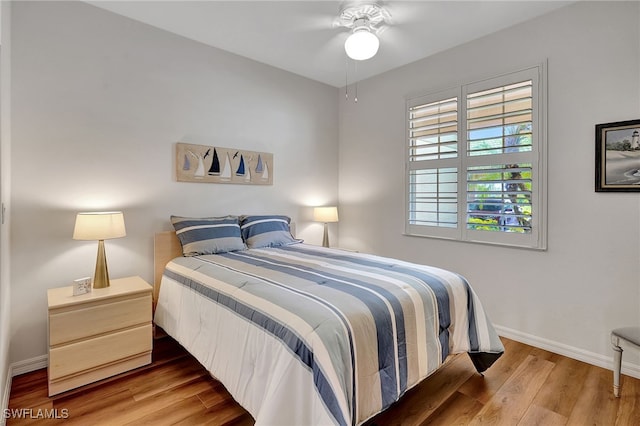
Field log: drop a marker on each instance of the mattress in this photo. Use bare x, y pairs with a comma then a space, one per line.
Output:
306, 335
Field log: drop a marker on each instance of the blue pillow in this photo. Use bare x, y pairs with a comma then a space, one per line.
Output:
266, 231
208, 235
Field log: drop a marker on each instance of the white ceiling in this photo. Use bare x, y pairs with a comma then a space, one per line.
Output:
301, 36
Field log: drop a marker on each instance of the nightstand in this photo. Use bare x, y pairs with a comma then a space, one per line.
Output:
99, 334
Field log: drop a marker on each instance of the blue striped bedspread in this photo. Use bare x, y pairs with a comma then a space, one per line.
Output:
365, 328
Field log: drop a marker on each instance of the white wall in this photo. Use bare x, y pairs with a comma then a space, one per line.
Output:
99, 102
588, 281
5, 192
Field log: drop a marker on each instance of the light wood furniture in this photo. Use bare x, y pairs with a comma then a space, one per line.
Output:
166, 246
630, 335
99, 334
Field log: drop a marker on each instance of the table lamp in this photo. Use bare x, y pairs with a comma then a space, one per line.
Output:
99, 226
326, 215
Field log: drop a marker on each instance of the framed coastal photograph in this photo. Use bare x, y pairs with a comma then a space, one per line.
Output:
618, 156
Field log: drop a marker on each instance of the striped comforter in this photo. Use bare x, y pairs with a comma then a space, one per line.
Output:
308, 335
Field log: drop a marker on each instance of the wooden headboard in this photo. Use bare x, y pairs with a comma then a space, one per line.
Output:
166, 246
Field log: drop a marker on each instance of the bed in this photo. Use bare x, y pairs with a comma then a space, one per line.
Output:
306, 335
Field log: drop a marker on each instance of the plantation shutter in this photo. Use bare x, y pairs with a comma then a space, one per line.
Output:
499, 123
433, 164
474, 162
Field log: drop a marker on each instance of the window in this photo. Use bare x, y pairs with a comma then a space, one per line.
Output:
475, 169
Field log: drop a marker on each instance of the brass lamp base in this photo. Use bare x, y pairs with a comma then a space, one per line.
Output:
101, 275
325, 237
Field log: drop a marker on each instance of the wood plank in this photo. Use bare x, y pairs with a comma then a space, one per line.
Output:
421, 401
171, 377
596, 404
629, 408
544, 354
459, 409
159, 401
27, 390
214, 396
172, 414
540, 416
511, 401
175, 388
243, 420
226, 413
98, 410
563, 387
483, 388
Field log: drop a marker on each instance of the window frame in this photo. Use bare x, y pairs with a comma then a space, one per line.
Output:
537, 238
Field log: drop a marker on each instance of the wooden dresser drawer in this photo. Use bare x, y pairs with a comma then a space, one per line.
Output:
74, 324
93, 353
99, 334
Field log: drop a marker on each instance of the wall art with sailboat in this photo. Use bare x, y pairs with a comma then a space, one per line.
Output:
213, 164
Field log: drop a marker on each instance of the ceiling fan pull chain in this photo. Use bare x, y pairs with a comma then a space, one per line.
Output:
346, 77
355, 76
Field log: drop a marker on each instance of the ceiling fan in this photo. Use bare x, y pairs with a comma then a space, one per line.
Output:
365, 21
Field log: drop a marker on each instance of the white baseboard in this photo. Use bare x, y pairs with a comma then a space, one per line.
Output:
592, 358
5, 396
29, 365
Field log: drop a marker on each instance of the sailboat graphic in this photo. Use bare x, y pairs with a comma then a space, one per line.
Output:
214, 170
200, 169
226, 169
265, 173
240, 171
259, 165
187, 164
247, 176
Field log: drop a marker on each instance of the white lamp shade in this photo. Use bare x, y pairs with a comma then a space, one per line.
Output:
99, 226
325, 214
362, 45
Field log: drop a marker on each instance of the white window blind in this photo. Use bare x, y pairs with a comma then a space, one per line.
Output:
499, 120
434, 130
433, 166
499, 198
474, 162
434, 197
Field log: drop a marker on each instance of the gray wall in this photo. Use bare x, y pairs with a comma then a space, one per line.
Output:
588, 281
99, 102
5, 191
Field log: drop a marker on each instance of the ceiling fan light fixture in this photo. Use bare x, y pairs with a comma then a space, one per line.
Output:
364, 20
362, 44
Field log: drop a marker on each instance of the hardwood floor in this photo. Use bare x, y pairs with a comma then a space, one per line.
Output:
527, 386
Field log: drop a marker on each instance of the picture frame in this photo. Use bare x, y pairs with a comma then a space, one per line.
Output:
81, 286
617, 167
215, 164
